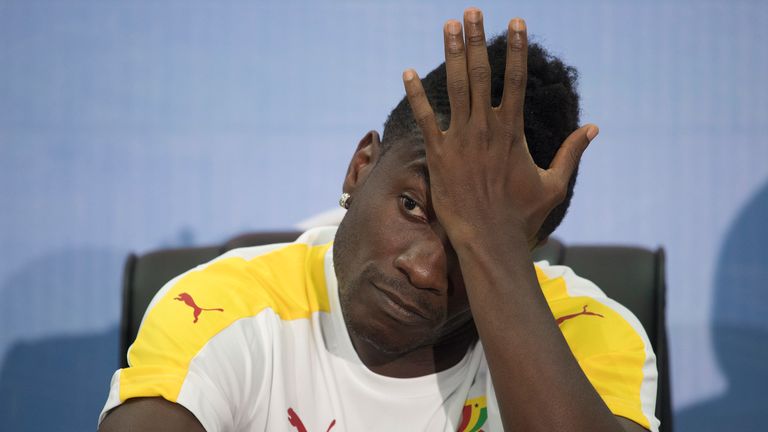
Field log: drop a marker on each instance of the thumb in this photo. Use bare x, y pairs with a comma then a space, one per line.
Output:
568, 156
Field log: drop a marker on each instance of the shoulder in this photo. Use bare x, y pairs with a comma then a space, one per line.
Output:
580, 308
263, 284
606, 339
287, 278
209, 327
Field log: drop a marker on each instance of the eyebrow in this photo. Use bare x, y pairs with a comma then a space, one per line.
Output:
419, 167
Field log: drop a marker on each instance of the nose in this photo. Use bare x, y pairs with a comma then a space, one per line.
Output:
424, 262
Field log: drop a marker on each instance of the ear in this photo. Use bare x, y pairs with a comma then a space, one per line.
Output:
363, 161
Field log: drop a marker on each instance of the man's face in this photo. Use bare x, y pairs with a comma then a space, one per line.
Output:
399, 280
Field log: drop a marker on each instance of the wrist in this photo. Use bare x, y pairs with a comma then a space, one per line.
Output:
490, 237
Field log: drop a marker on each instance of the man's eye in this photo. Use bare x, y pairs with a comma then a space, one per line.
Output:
412, 207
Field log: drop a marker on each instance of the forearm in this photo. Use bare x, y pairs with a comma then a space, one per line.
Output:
538, 383
481, 171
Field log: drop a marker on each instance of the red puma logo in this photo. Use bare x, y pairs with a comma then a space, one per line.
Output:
189, 301
583, 312
296, 422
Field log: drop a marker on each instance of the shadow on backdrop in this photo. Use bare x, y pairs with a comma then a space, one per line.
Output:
57, 384
739, 327
60, 382
59, 348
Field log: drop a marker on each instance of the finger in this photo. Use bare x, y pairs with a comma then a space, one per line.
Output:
515, 76
456, 72
568, 156
478, 69
422, 110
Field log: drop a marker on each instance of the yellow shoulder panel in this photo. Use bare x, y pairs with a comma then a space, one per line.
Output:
290, 281
609, 350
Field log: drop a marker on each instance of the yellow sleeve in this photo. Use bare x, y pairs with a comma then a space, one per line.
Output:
192, 310
609, 344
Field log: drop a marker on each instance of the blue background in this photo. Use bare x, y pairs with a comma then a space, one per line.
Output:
128, 126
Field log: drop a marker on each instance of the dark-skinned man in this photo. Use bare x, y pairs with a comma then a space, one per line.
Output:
423, 311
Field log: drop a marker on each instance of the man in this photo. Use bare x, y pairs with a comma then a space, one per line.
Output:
423, 311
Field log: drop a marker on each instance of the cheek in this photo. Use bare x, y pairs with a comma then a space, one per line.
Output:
378, 226
353, 304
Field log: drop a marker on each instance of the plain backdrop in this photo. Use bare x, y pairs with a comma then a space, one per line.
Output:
128, 126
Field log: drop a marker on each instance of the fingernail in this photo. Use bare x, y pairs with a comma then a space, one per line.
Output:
453, 27
474, 15
408, 75
592, 132
518, 25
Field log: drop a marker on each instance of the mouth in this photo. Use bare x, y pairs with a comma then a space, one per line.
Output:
400, 309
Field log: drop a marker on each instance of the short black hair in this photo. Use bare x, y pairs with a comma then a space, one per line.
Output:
551, 110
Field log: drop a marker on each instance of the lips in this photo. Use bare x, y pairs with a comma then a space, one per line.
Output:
400, 309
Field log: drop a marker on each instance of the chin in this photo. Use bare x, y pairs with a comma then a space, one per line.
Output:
394, 346
384, 335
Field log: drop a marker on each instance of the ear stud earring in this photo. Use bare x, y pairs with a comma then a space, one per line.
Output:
344, 200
